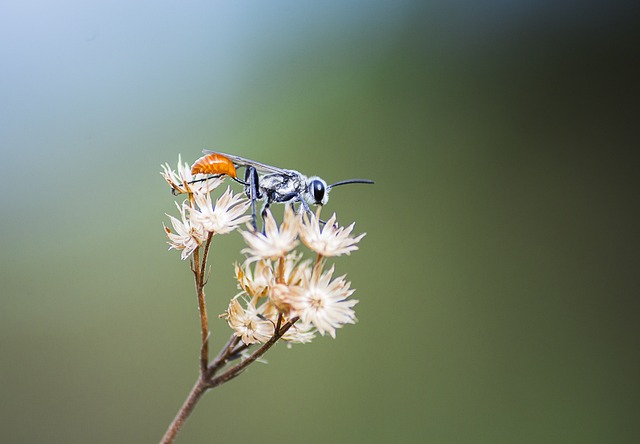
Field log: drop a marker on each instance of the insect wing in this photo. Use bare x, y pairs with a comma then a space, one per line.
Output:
261, 167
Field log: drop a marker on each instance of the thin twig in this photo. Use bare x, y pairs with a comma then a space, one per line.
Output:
207, 381
237, 369
205, 257
223, 357
202, 308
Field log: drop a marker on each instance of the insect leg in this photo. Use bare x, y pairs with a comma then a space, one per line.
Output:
253, 190
242, 182
305, 206
293, 196
213, 176
175, 191
264, 212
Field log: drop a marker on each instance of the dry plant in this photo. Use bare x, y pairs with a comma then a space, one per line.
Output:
283, 296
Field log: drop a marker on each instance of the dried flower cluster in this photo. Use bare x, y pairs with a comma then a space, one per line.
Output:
275, 280
283, 295
199, 216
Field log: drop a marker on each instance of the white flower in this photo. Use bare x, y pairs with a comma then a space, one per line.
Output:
330, 240
280, 297
187, 235
183, 181
248, 324
293, 270
291, 274
223, 217
300, 333
255, 282
324, 303
274, 243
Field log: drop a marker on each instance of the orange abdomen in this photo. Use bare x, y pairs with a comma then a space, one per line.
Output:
214, 164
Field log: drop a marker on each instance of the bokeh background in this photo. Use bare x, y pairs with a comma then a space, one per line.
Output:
498, 282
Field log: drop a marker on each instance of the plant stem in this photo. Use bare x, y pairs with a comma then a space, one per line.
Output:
207, 379
189, 404
202, 307
237, 369
226, 353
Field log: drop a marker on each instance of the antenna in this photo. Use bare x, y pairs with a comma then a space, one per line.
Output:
344, 182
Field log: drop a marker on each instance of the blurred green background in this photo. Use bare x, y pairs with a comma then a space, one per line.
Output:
497, 285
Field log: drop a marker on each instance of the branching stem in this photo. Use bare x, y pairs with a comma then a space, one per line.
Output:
207, 378
238, 368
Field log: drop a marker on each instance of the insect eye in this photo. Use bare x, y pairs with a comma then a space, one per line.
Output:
317, 189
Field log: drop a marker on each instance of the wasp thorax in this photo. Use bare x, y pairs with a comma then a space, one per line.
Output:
317, 191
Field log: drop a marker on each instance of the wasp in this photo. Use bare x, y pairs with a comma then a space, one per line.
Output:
269, 183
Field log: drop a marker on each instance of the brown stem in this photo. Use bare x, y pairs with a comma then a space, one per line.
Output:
205, 256
206, 380
237, 369
201, 281
223, 357
189, 404
202, 308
